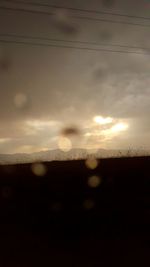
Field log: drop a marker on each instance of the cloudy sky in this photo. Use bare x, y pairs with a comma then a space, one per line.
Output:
92, 84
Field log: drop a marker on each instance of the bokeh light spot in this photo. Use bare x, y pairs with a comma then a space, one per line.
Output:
94, 181
64, 144
91, 163
39, 169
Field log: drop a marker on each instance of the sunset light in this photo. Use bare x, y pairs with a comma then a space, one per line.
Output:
116, 129
102, 121
119, 127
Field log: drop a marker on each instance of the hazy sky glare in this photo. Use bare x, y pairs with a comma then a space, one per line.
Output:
46, 89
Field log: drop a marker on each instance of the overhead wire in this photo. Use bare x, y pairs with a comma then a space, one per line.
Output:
75, 9
4, 41
31, 38
70, 41
18, 9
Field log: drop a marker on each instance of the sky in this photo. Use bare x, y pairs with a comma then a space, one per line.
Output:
44, 89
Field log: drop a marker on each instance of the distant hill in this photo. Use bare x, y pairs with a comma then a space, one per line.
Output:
73, 154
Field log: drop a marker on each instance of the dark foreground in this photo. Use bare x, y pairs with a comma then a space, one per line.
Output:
59, 220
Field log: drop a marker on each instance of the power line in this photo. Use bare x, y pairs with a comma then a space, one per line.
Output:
26, 10
73, 16
111, 21
71, 41
3, 41
76, 9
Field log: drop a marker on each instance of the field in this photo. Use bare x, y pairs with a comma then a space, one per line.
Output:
56, 213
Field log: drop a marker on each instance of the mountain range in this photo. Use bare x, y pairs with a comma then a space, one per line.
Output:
74, 154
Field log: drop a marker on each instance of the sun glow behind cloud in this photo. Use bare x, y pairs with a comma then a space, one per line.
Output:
119, 127
40, 135
116, 129
104, 130
102, 121
97, 132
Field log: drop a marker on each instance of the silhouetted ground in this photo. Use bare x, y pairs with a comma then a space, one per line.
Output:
59, 220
